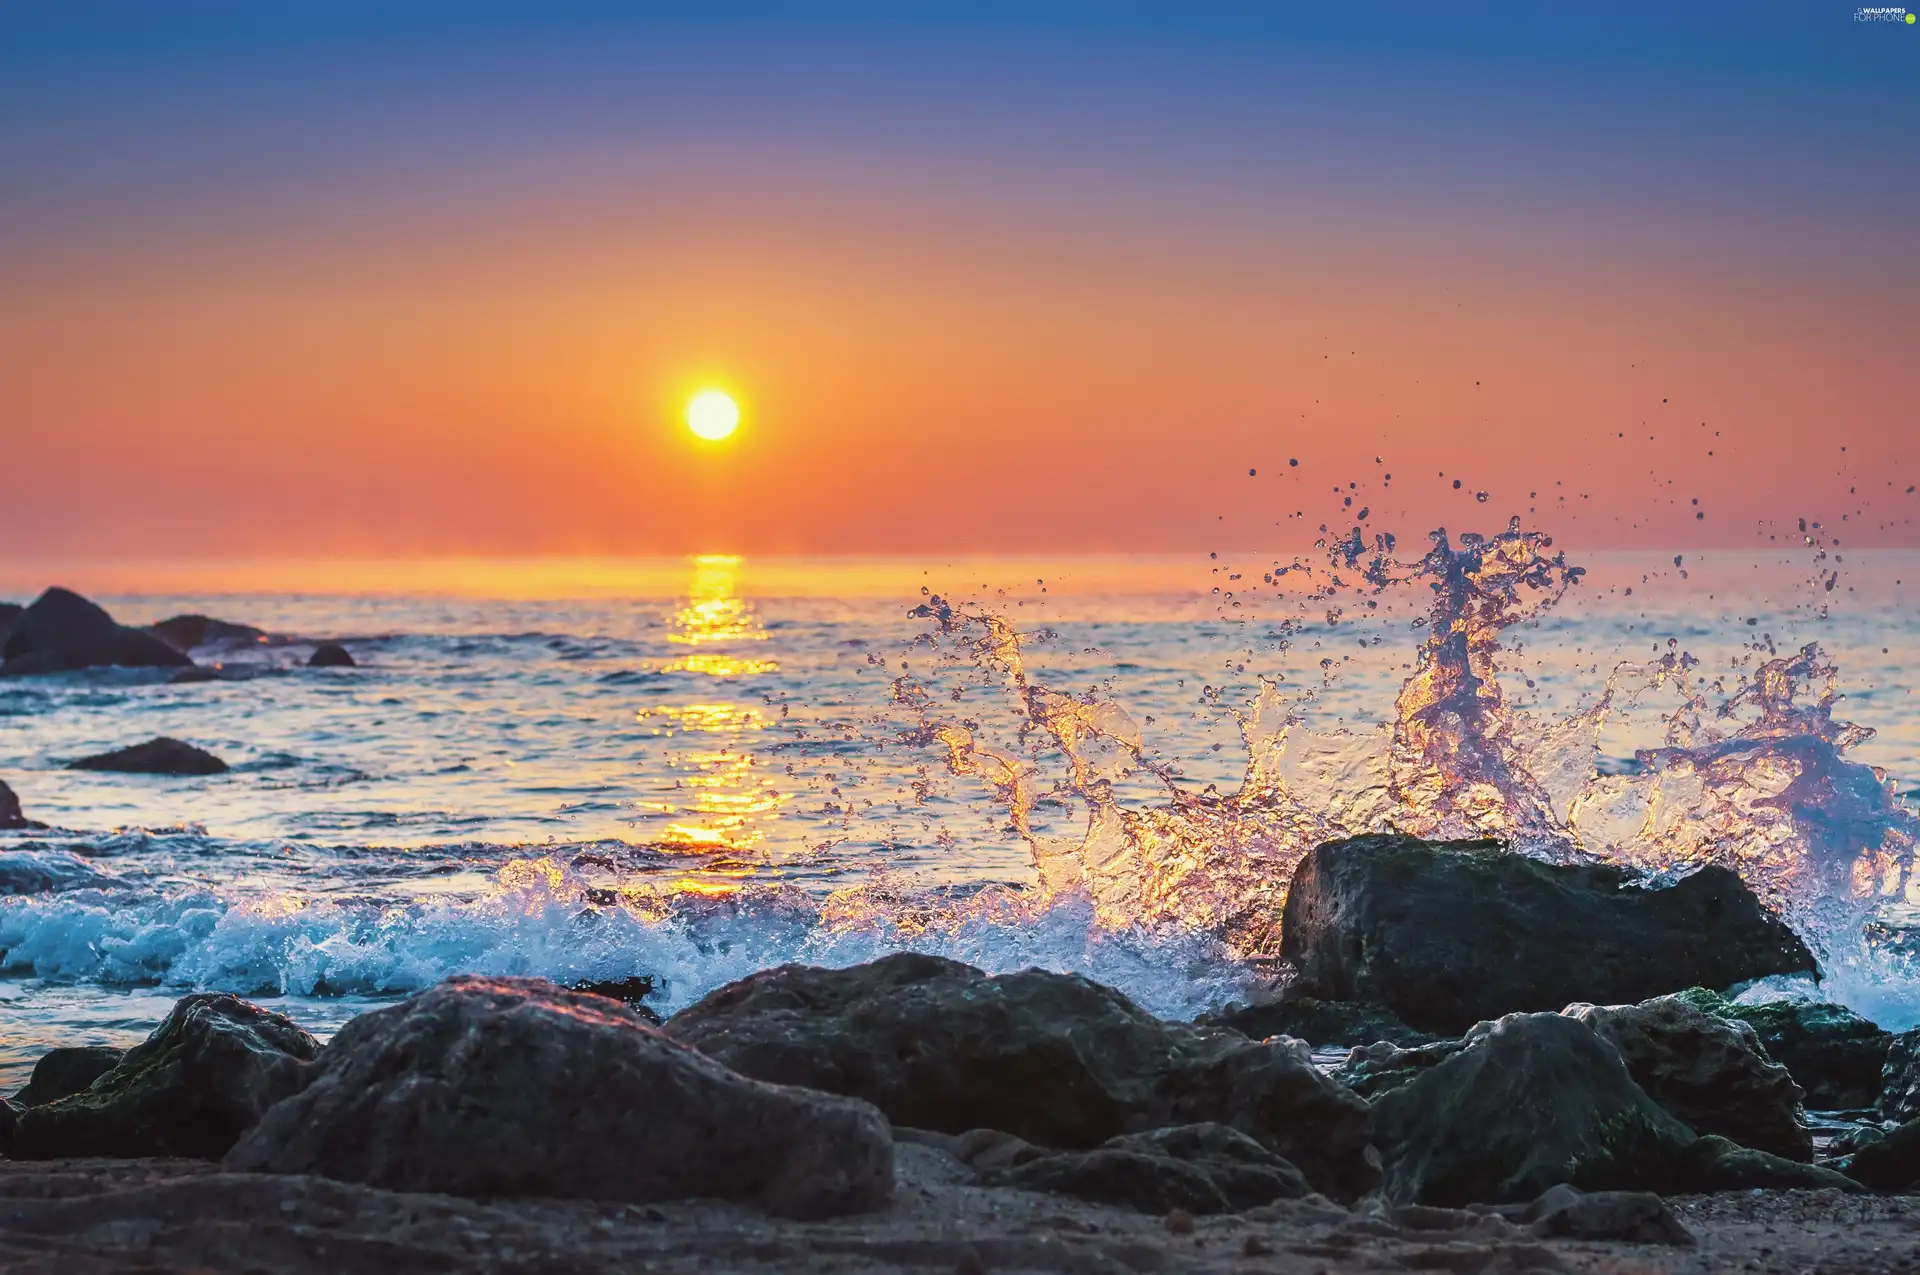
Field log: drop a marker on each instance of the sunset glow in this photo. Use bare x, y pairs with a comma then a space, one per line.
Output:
713, 415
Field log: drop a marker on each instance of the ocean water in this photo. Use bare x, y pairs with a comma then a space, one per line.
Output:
695, 769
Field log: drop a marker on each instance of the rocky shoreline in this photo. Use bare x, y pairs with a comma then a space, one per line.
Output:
916, 1113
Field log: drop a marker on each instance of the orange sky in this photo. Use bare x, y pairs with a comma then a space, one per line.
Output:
935, 355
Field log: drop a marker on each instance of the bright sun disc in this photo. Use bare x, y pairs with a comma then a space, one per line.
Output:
712, 415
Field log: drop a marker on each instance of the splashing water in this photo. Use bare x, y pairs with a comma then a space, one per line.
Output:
1759, 782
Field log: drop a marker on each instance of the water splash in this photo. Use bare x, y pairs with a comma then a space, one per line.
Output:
1758, 780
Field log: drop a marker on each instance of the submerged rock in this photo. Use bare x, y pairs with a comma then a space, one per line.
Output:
1890, 1164
61, 1073
1052, 1058
1447, 934
185, 632
1900, 1078
63, 631
1527, 1102
330, 655
1710, 1072
162, 756
1319, 1022
205, 1075
484, 1087
1202, 1168
12, 818
1832, 1052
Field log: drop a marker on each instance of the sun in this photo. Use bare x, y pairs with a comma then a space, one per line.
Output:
713, 415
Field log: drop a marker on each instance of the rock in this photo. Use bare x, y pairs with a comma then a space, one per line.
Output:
486, 1087
1900, 1078
9, 1126
631, 992
1834, 1054
9, 612
185, 632
61, 1073
1631, 1217
1447, 934
1710, 1072
1891, 1164
1713, 1163
1052, 1058
62, 631
162, 756
1318, 1022
1528, 1102
12, 818
1382, 1067
983, 1150
204, 1077
1202, 1168
330, 655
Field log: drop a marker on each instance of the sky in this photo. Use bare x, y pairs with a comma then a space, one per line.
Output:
352, 280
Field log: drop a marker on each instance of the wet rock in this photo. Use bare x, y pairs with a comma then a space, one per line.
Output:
1202, 1168
62, 630
12, 818
1530, 1101
1319, 1022
1447, 934
631, 992
61, 1073
983, 1150
330, 655
1382, 1067
204, 1077
1900, 1078
494, 1087
1710, 1072
1891, 1164
1713, 1163
185, 632
162, 756
1052, 1058
1631, 1217
1832, 1052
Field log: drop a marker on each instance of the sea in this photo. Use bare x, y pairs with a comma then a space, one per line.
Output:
691, 769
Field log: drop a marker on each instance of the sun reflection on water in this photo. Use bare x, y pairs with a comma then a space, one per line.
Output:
722, 803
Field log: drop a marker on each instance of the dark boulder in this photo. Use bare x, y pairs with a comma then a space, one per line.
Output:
1447, 934
12, 818
330, 655
1891, 1164
1202, 1168
484, 1087
204, 1077
1382, 1067
9, 1126
1900, 1078
61, 1073
9, 612
1531, 1101
1833, 1053
62, 631
1319, 1022
162, 756
1528, 1102
185, 632
1710, 1072
1052, 1058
